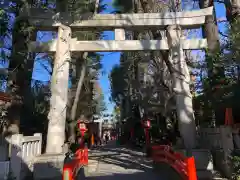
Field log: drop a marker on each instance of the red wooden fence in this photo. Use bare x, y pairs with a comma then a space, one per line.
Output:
184, 166
70, 170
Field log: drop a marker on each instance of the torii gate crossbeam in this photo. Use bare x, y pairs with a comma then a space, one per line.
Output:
46, 20
172, 22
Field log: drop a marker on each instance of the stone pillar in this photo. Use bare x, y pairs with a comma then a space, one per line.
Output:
100, 129
119, 34
226, 139
3, 149
181, 81
16, 155
59, 90
39, 144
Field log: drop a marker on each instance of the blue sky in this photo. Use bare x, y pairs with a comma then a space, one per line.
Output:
110, 59
41, 65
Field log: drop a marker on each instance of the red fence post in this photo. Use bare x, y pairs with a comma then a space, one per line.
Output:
85, 156
185, 167
70, 169
191, 169
67, 172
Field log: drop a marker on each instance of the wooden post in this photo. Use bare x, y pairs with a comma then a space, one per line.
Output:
59, 89
92, 140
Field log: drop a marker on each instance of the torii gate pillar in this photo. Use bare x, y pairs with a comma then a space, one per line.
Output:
59, 89
181, 81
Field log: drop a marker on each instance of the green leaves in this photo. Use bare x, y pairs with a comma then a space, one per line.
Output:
100, 105
236, 167
117, 82
3, 23
123, 6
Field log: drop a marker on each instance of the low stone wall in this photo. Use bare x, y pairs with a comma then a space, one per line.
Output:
4, 169
4, 149
23, 150
216, 138
203, 162
221, 142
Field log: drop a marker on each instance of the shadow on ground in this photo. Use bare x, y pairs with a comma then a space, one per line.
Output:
122, 157
167, 175
130, 159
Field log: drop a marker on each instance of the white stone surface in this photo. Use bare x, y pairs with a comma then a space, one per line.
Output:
210, 138
203, 159
4, 170
119, 34
48, 166
226, 138
187, 19
217, 138
120, 45
4, 149
223, 162
59, 93
181, 82
236, 137
23, 151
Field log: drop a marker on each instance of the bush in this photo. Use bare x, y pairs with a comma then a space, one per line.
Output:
236, 167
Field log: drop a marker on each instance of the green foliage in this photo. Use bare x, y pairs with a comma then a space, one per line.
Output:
116, 112
234, 42
118, 83
220, 89
236, 167
100, 105
93, 61
37, 104
123, 6
3, 24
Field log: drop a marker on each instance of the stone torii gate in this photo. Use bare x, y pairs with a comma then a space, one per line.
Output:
173, 22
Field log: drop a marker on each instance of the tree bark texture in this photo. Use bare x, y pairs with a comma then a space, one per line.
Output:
215, 69
72, 125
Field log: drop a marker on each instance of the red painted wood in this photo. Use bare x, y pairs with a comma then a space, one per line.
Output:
183, 165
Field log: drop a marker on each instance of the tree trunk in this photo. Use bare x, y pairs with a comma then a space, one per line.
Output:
20, 68
186, 119
59, 90
72, 134
215, 69
232, 9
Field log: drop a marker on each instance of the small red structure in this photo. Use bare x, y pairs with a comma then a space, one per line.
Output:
184, 166
228, 117
146, 125
71, 169
191, 169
